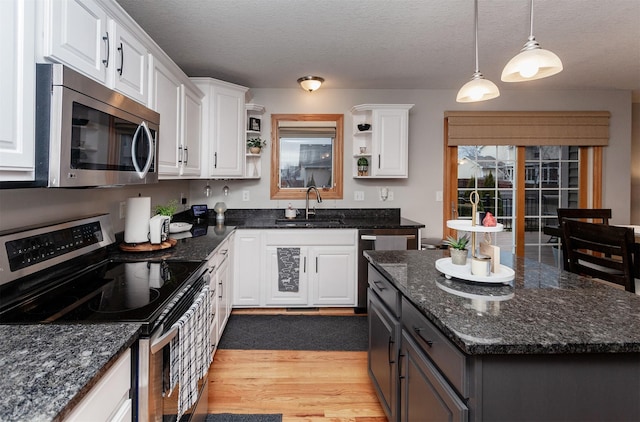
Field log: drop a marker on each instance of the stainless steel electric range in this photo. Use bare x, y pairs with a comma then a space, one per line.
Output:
62, 273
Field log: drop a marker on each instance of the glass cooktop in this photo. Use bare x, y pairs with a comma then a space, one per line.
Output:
111, 292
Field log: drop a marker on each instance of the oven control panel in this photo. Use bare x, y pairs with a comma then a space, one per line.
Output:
34, 249
31, 250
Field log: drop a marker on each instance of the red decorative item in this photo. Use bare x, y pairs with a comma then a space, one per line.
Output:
489, 220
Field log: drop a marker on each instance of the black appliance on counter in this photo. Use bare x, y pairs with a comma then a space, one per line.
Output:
62, 273
367, 242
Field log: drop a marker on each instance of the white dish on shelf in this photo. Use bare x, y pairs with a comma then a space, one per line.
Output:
179, 227
465, 225
445, 266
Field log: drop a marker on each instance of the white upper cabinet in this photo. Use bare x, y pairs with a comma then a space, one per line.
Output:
223, 128
129, 72
192, 132
82, 35
17, 90
180, 108
165, 98
76, 34
384, 146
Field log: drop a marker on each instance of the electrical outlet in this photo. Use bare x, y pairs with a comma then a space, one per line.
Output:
390, 196
384, 193
184, 201
245, 195
439, 196
358, 195
123, 209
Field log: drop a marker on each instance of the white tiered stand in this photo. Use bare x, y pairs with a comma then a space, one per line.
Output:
444, 265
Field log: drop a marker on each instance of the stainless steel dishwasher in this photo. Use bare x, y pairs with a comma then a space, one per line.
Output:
367, 242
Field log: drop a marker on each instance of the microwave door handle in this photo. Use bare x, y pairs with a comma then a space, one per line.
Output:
142, 173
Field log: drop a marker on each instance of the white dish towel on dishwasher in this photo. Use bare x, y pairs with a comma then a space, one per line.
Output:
191, 351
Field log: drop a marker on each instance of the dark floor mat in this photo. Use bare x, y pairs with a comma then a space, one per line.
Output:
296, 332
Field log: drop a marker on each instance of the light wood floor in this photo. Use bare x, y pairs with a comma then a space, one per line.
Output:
310, 386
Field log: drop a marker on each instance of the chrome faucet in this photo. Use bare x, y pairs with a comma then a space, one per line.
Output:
318, 199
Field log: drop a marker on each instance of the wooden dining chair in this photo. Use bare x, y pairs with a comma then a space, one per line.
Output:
601, 251
594, 215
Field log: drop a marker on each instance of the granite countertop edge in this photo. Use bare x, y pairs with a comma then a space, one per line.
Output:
65, 361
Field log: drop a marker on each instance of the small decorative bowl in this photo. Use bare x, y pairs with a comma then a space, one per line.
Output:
364, 126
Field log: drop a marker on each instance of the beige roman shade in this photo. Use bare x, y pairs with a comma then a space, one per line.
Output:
527, 128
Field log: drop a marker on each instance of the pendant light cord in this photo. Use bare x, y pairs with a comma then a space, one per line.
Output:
531, 20
476, 29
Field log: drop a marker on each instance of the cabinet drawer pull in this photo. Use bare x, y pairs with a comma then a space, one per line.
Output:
105, 61
391, 343
418, 330
121, 50
379, 284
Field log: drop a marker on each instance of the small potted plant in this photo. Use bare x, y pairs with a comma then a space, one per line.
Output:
458, 249
169, 209
255, 145
363, 166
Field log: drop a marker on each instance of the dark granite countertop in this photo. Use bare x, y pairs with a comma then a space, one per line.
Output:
543, 310
47, 369
331, 218
194, 245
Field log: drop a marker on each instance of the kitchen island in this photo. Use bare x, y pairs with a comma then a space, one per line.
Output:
549, 345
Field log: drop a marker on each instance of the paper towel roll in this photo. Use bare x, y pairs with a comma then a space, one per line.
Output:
136, 224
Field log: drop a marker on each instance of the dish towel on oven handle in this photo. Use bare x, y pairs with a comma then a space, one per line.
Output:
190, 351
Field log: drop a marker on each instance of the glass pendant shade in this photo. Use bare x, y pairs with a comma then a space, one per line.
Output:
310, 83
531, 63
477, 89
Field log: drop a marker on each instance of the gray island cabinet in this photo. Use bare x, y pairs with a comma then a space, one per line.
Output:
549, 346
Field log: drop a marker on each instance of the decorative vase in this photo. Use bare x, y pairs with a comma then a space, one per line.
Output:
458, 256
254, 150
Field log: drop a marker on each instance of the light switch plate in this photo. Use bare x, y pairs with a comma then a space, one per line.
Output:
358, 195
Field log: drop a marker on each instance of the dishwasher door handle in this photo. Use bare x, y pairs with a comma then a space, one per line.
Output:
373, 237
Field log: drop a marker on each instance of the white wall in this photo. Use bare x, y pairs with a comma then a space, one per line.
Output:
635, 166
415, 195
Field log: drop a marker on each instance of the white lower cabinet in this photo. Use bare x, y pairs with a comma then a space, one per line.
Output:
331, 281
297, 267
247, 268
109, 399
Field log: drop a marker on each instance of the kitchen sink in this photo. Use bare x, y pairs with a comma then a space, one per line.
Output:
313, 222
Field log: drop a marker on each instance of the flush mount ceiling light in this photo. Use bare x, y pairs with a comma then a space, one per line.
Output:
532, 62
310, 83
478, 88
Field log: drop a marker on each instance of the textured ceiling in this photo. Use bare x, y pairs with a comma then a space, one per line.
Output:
395, 44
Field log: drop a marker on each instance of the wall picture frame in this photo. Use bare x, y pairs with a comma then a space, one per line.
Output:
254, 124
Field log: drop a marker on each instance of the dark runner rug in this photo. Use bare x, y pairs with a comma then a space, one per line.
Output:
296, 332
228, 417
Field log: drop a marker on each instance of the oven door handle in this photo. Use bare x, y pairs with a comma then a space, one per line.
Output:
159, 343
373, 237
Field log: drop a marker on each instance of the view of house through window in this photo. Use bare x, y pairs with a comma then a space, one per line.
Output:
550, 181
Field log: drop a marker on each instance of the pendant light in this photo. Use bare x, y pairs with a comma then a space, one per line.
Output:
310, 83
532, 62
478, 88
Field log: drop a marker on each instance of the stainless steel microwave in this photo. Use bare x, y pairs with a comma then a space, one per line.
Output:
88, 135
